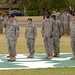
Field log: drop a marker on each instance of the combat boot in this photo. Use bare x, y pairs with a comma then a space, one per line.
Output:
12, 58
56, 55
73, 58
48, 57
30, 56
9, 56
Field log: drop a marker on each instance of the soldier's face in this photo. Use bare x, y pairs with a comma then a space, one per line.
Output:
47, 16
29, 22
65, 12
73, 18
11, 20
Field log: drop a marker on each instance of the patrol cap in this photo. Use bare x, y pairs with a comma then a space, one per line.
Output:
47, 13
29, 19
11, 15
53, 15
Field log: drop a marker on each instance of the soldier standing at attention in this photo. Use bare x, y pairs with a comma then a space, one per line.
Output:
56, 36
47, 33
1, 28
72, 28
30, 36
58, 14
12, 33
65, 22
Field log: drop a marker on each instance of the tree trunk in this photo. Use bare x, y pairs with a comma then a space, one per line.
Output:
10, 6
25, 11
44, 10
38, 11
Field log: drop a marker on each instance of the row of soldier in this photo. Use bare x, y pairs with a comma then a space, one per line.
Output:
52, 30
54, 26
64, 17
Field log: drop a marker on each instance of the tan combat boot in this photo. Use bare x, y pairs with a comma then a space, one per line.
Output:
9, 56
48, 57
56, 55
73, 58
30, 56
12, 58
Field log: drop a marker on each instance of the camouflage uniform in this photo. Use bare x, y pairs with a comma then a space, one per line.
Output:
1, 28
47, 33
30, 36
69, 17
58, 15
56, 36
72, 27
65, 22
11, 32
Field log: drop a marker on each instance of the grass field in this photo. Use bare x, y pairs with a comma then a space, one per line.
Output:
39, 46
35, 18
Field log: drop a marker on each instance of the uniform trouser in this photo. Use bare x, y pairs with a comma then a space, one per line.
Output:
48, 43
1, 29
11, 47
30, 44
66, 29
73, 45
56, 47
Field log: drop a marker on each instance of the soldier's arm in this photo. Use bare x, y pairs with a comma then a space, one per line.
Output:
17, 32
52, 28
4, 23
42, 31
25, 31
60, 29
35, 32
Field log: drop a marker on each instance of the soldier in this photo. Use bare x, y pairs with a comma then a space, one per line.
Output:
69, 18
72, 27
12, 33
65, 22
56, 36
1, 28
58, 14
30, 36
47, 33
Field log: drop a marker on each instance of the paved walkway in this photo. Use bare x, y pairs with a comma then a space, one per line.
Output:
22, 62
23, 24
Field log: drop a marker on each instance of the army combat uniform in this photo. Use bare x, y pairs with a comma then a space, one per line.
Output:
12, 33
30, 36
72, 27
1, 28
65, 23
56, 37
58, 15
47, 33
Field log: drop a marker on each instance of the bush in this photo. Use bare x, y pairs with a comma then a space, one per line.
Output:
31, 13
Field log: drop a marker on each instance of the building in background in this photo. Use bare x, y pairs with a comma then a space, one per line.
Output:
8, 5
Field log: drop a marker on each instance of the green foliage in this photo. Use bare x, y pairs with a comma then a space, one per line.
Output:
72, 2
60, 4
43, 5
31, 13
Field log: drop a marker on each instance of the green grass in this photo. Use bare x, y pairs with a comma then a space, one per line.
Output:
48, 71
39, 46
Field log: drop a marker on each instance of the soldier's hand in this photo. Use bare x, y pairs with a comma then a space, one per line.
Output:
51, 36
42, 35
60, 36
15, 39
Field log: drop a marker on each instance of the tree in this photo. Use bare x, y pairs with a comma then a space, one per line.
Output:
72, 2
60, 4
43, 5
24, 5
3, 2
